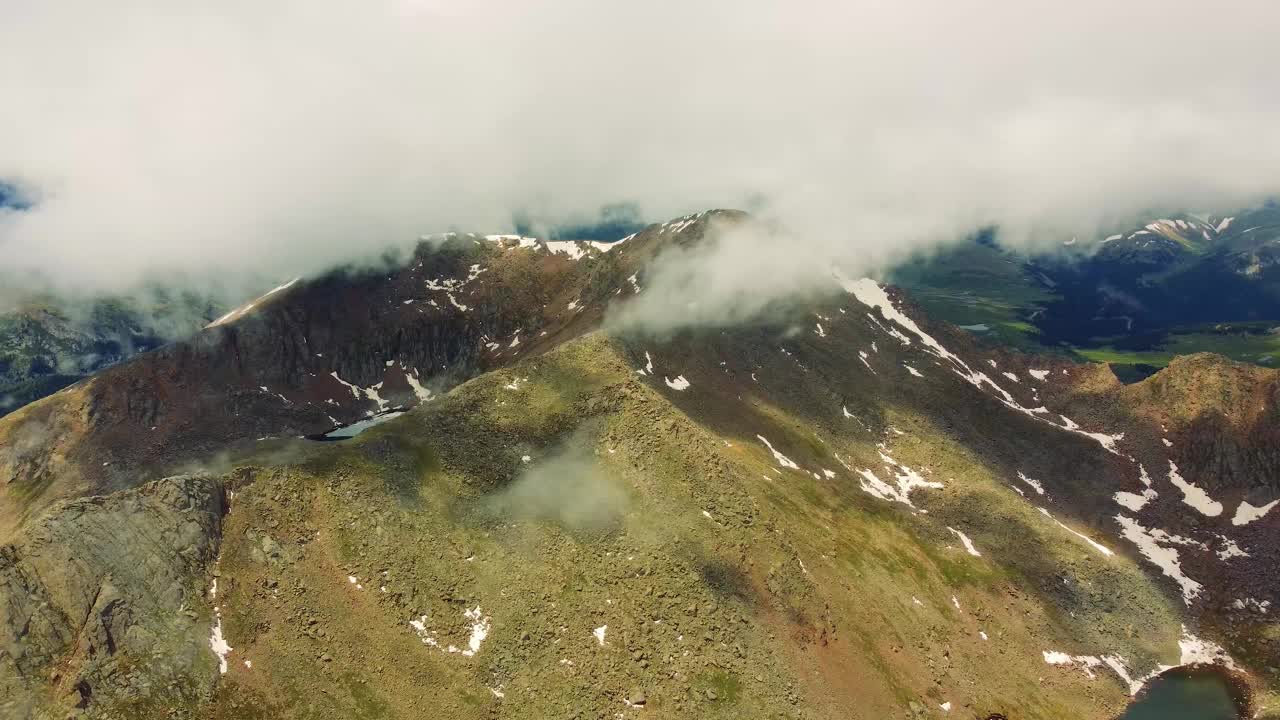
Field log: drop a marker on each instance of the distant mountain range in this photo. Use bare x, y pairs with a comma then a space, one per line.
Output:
1173, 285
50, 341
1137, 298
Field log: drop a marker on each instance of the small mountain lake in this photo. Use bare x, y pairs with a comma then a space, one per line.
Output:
346, 432
1188, 694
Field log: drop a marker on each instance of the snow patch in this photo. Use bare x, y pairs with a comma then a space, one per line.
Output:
782, 460
1092, 543
1230, 549
1246, 513
905, 480
355, 391
481, 624
1133, 501
566, 247
219, 645
678, 384
607, 246
1154, 546
1035, 484
371, 392
968, 544
1086, 662
1193, 495
422, 393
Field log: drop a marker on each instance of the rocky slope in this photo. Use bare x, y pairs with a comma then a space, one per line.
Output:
309, 356
848, 511
101, 599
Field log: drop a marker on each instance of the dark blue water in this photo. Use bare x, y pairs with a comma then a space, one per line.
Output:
1190, 695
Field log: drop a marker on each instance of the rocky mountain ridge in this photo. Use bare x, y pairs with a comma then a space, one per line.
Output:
848, 510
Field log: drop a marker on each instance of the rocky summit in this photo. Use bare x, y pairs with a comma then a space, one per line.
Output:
536, 510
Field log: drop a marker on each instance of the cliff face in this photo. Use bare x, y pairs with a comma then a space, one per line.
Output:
100, 596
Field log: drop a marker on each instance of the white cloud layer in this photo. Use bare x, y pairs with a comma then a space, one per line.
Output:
281, 137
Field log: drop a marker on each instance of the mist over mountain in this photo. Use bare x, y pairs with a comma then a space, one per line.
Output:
284, 140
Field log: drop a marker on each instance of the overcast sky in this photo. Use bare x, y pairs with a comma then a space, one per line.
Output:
280, 137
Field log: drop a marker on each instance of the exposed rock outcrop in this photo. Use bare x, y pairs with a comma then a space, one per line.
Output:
97, 598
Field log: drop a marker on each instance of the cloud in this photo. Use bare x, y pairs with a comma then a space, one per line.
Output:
740, 270
27, 441
569, 488
157, 138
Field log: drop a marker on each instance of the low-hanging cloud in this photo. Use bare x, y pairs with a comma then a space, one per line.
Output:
569, 487
741, 269
212, 141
